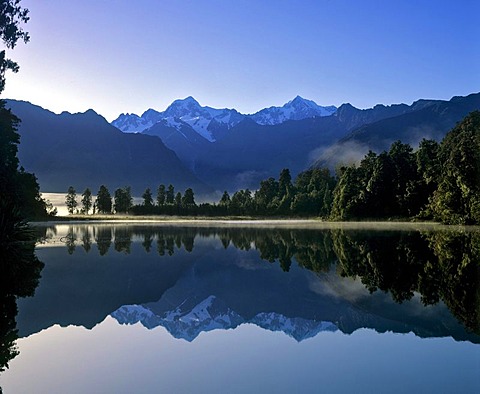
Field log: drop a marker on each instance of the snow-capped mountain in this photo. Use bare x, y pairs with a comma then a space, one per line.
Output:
295, 327
297, 109
204, 120
182, 323
131, 123
212, 313
211, 122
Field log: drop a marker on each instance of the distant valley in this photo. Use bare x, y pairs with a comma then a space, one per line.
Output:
210, 149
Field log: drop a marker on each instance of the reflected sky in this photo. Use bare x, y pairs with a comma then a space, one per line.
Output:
126, 359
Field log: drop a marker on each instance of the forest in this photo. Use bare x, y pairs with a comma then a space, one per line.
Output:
438, 181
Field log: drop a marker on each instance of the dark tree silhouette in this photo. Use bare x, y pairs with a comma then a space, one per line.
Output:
104, 200
161, 195
147, 198
71, 200
86, 201
123, 199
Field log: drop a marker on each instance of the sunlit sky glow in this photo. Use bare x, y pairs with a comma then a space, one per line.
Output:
127, 56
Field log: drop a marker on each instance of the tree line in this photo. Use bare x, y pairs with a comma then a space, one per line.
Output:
309, 195
438, 181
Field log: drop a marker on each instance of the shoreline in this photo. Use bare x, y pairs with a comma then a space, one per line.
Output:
294, 223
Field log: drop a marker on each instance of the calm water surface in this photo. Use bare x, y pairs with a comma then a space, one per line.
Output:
128, 308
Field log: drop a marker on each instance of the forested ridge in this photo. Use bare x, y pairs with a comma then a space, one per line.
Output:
438, 181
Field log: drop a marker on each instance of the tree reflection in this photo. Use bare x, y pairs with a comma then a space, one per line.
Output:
438, 265
86, 239
70, 240
455, 278
103, 237
388, 261
123, 239
147, 239
19, 275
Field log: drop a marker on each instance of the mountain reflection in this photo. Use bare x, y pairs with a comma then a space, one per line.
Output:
206, 288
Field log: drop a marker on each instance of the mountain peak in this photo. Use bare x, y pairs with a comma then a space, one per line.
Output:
187, 100
298, 99
296, 109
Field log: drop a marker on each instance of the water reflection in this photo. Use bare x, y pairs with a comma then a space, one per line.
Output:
299, 281
19, 275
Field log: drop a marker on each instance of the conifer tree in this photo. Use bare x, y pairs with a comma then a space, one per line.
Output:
71, 200
147, 198
104, 200
86, 201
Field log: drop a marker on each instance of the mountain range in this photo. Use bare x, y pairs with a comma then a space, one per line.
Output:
209, 122
218, 149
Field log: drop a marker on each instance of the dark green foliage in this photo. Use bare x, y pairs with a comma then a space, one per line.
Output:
225, 200
428, 162
429, 172
313, 193
312, 196
9, 139
345, 196
188, 199
71, 200
438, 181
123, 200
147, 198
104, 200
382, 186
161, 195
266, 197
86, 201
12, 15
284, 183
405, 179
170, 195
242, 202
17, 186
457, 198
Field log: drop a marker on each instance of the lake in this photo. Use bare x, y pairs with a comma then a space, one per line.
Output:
243, 308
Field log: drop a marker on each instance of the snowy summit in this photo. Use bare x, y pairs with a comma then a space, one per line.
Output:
206, 120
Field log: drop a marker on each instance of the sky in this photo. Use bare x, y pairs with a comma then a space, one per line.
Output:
123, 56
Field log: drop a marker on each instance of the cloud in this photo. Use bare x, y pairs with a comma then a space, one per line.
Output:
249, 179
416, 134
342, 153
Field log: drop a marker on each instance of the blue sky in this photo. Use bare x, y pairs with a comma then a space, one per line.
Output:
128, 56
